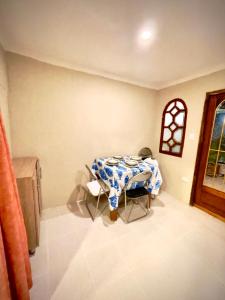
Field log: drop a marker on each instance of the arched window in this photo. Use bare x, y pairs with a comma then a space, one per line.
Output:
173, 128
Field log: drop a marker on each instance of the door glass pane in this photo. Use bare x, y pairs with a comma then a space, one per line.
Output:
165, 147
221, 159
180, 105
176, 149
167, 134
217, 130
170, 106
171, 142
215, 170
211, 163
179, 119
178, 135
223, 141
168, 119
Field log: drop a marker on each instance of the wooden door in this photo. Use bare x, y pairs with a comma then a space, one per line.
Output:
209, 180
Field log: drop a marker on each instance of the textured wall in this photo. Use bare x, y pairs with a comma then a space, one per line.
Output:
68, 118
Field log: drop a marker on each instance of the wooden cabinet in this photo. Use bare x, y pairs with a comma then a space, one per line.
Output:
28, 177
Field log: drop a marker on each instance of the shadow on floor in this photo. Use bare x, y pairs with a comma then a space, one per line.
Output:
156, 202
76, 202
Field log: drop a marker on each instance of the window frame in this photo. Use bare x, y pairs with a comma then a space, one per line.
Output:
183, 127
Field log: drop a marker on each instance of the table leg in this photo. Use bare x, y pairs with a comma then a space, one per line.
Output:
149, 201
113, 215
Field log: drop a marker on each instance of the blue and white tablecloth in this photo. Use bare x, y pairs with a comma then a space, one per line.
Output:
116, 177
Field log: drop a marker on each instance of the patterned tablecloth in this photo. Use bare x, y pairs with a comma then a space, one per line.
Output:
116, 177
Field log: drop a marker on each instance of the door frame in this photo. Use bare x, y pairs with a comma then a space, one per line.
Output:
200, 144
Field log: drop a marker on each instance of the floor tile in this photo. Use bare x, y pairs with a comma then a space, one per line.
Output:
106, 264
176, 252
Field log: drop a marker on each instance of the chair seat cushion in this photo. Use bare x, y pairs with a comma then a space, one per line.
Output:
138, 192
94, 188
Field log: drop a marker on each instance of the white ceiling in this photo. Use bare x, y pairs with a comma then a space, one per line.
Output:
101, 37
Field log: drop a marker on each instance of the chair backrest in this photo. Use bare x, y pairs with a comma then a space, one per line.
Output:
91, 172
96, 177
145, 152
141, 177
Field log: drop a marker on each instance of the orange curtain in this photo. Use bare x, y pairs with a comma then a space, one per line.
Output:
15, 272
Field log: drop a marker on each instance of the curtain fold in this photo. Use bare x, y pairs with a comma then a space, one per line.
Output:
15, 271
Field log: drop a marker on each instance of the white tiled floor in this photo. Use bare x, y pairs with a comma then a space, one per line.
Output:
177, 252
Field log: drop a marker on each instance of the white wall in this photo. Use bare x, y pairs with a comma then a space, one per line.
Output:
174, 168
4, 93
68, 118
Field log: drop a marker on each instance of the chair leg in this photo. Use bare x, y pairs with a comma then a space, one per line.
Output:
149, 201
144, 208
130, 212
146, 211
127, 214
86, 202
125, 208
96, 209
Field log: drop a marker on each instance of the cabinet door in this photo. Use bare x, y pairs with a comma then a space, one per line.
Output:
25, 188
38, 174
36, 209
